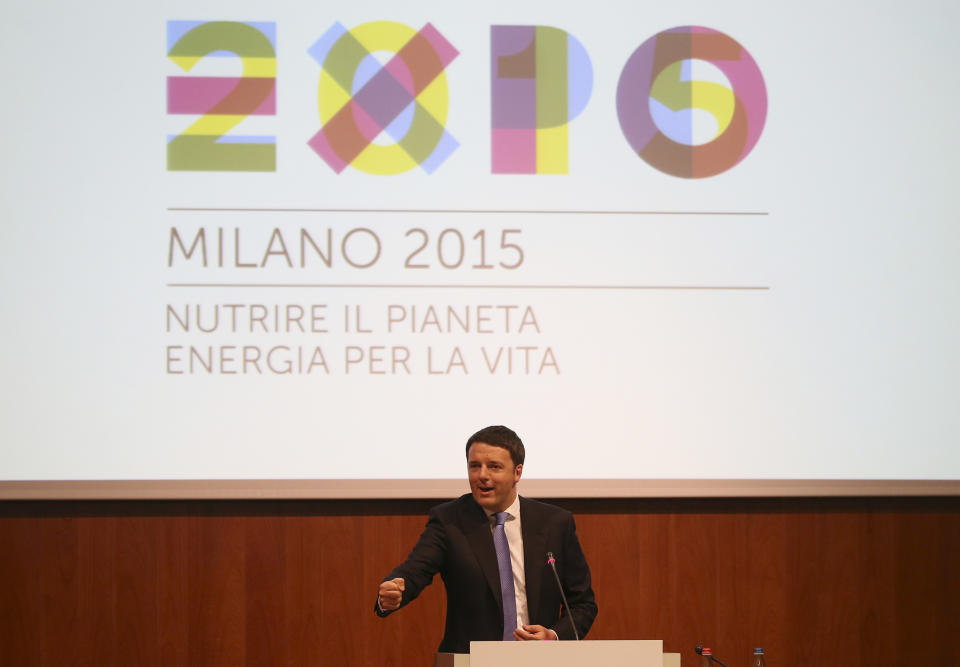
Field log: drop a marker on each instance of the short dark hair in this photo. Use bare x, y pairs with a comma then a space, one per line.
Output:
500, 436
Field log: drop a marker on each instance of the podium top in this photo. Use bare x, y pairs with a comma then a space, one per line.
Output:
599, 653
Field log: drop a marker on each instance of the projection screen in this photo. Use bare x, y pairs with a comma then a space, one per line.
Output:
306, 249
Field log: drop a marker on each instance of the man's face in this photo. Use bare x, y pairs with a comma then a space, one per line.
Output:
493, 477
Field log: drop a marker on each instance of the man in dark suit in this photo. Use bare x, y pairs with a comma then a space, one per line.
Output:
466, 540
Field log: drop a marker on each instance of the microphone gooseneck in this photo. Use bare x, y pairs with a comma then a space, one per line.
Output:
699, 650
551, 561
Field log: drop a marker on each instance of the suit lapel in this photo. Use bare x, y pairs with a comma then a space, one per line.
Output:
534, 555
478, 533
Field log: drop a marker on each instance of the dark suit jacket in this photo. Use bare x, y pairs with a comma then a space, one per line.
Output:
458, 543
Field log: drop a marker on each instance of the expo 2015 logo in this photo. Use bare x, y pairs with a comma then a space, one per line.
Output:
691, 102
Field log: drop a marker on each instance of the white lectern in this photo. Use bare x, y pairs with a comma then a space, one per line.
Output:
600, 653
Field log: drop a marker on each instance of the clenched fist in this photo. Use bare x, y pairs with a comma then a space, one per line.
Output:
391, 592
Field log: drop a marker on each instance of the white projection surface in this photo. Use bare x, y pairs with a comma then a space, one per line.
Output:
317, 245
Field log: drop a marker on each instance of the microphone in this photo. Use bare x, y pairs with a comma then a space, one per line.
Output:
551, 561
699, 649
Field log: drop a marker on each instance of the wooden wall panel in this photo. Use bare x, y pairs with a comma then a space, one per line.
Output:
265, 582
60, 639
96, 622
303, 590
216, 585
137, 609
170, 538
22, 597
207, 583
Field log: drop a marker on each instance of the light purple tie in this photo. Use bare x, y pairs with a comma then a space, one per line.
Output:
506, 576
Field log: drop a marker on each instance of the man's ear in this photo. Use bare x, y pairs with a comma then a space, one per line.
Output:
517, 471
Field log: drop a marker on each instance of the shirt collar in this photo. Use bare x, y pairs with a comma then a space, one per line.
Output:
513, 510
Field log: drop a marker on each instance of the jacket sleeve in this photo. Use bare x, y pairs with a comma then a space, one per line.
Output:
426, 559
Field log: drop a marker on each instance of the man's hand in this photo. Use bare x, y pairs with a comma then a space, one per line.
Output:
530, 632
391, 592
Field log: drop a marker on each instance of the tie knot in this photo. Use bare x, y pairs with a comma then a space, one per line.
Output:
501, 517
